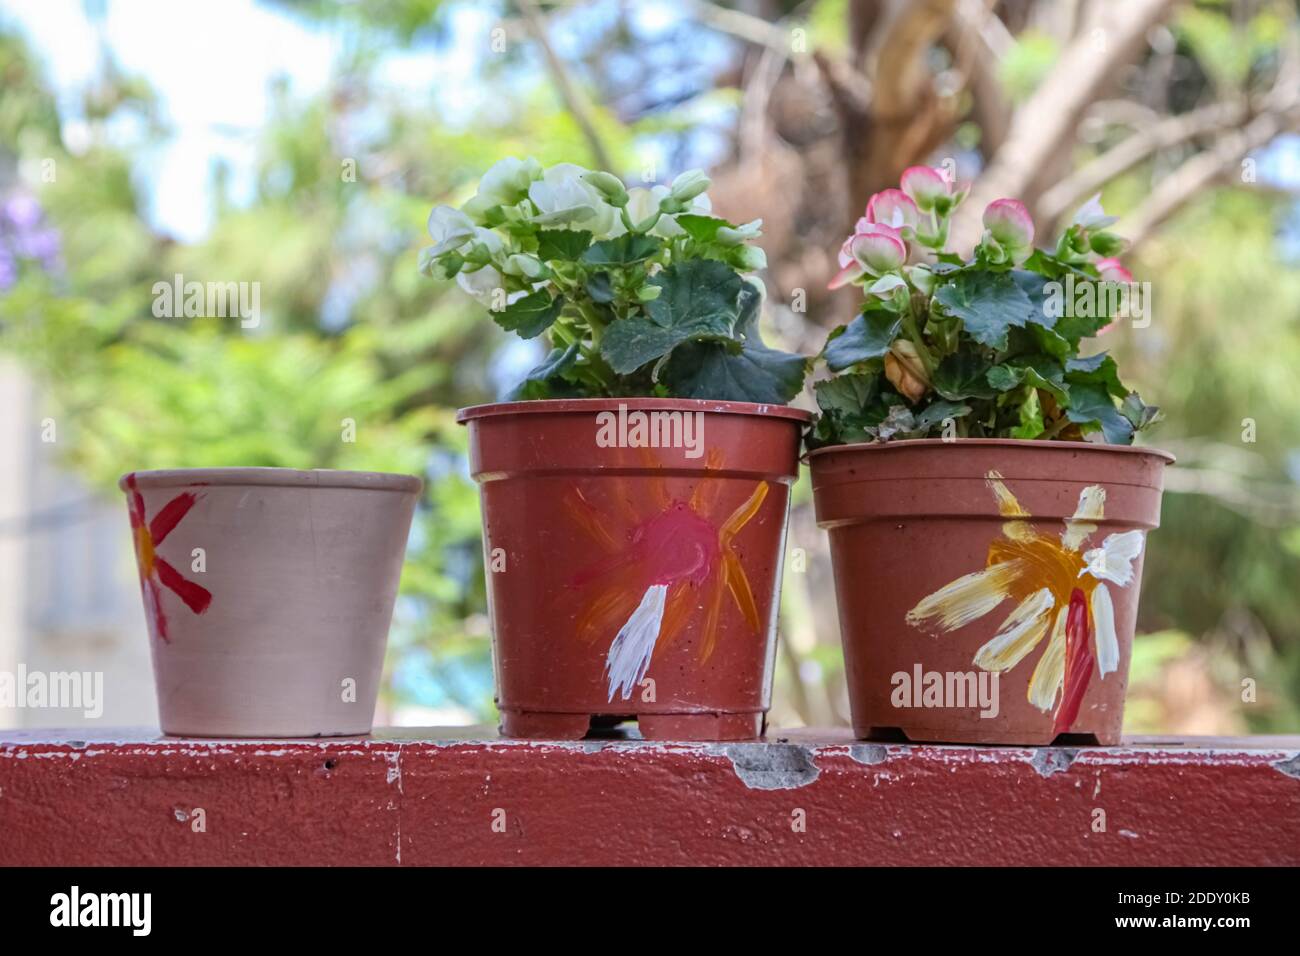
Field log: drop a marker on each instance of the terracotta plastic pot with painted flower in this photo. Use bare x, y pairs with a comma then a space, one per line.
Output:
987, 589
268, 594
635, 493
626, 580
973, 467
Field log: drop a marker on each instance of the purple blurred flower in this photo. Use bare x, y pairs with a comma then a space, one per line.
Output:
25, 236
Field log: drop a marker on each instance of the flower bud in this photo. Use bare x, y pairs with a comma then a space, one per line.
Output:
727, 236
689, 184
1107, 244
1008, 231
609, 186
925, 186
518, 264
748, 258
905, 371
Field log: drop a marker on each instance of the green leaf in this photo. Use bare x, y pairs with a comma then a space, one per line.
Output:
565, 244
1034, 286
624, 250
1037, 371
1093, 405
846, 394
538, 383
754, 374
988, 304
1038, 338
961, 375
1099, 369
600, 287
937, 411
702, 228
869, 336
1138, 412
530, 316
1085, 311
1031, 418
700, 300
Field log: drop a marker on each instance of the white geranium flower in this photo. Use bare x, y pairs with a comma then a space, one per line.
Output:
496, 246
450, 229
565, 200
642, 203
507, 181
483, 284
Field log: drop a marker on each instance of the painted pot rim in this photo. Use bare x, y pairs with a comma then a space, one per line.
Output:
574, 405
1026, 443
284, 477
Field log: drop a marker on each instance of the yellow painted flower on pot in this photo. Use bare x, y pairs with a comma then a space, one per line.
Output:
1060, 592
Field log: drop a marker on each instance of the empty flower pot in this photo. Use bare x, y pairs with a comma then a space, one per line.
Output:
987, 589
268, 593
634, 552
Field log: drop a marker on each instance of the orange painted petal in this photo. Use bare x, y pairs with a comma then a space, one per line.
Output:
710, 633
739, 587
706, 487
586, 517
677, 612
606, 613
740, 517
655, 481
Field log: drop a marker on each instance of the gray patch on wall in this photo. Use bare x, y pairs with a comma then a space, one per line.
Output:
1050, 760
766, 766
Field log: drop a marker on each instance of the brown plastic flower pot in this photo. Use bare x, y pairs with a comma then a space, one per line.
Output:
268, 593
987, 589
627, 580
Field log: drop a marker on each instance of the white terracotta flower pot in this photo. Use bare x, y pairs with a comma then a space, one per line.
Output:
269, 593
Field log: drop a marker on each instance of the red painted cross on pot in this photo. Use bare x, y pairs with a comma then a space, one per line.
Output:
155, 572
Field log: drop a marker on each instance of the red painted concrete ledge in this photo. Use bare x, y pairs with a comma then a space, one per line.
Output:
801, 797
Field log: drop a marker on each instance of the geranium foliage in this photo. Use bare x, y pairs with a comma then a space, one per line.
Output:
992, 346
639, 291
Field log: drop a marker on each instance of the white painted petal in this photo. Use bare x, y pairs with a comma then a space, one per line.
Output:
1019, 634
1091, 507
1103, 623
629, 655
1113, 561
968, 598
1049, 675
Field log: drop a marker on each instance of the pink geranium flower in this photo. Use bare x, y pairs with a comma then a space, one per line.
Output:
925, 185
874, 250
1112, 271
1007, 222
893, 207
